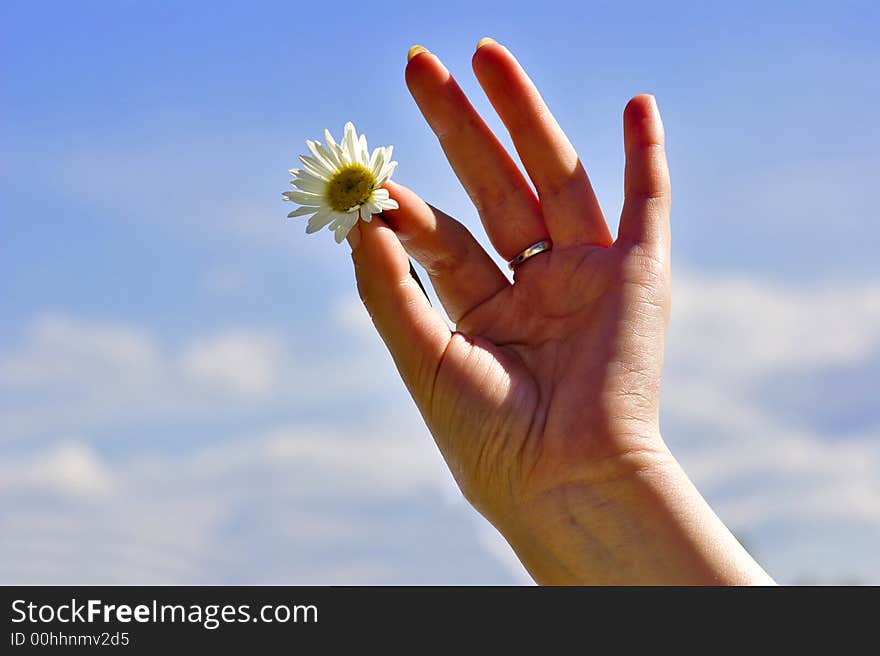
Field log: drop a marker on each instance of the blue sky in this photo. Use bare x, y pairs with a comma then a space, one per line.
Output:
190, 387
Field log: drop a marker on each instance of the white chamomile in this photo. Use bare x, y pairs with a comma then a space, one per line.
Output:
341, 182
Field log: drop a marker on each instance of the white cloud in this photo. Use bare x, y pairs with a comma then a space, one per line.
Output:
72, 375
355, 496
297, 504
779, 472
740, 327
760, 469
61, 349
328, 501
70, 467
241, 361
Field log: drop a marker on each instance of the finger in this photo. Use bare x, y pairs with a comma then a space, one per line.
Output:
412, 330
462, 273
570, 208
647, 194
507, 206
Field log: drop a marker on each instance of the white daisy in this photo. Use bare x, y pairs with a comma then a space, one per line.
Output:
341, 182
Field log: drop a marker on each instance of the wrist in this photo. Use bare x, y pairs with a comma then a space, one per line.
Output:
632, 520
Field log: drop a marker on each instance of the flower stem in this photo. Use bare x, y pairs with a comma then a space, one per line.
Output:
412, 272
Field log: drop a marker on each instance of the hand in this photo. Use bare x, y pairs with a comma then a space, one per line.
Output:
544, 400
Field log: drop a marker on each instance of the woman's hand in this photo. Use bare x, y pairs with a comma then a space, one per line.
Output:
544, 401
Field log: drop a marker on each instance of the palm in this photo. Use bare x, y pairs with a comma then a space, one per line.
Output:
558, 354
549, 377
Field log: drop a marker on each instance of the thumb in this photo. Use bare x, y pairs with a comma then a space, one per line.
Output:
413, 331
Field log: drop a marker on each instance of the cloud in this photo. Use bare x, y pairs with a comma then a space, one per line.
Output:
73, 375
743, 328
68, 468
306, 505
241, 361
61, 349
328, 495
764, 470
338, 481
760, 470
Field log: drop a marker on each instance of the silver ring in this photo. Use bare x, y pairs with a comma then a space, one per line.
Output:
531, 251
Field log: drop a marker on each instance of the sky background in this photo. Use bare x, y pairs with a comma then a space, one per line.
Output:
190, 390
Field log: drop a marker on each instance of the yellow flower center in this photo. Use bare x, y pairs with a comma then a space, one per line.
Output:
351, 185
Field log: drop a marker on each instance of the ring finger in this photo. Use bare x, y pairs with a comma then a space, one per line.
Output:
507, 206
568, 203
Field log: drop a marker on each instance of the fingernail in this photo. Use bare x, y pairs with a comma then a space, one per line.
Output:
354, 236
485, 41
415, 50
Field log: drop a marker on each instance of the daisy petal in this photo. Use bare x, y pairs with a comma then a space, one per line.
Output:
311, 186
311, 177
319, 154
322, 164
304, 198
341, 231
318, 221
350, 143
377, 161
302, 211
386, 172
316, 168
330, 157
342, 224
333, 147
363, 151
